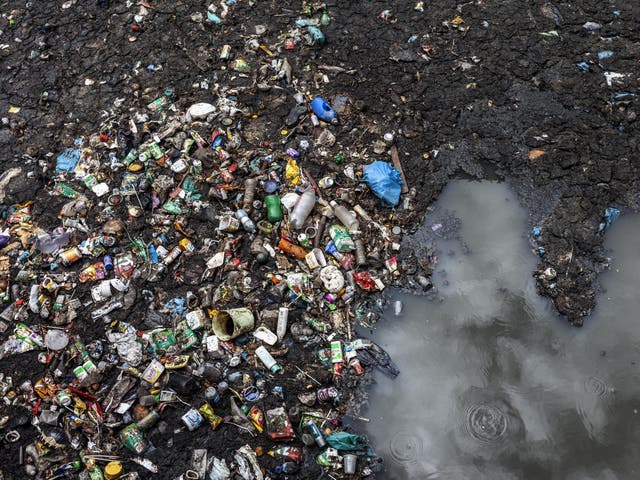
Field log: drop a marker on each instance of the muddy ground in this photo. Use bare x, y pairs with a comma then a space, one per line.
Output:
494, 92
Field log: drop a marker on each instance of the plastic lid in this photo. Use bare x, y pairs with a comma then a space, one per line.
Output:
276, 368
270, 186
113, 470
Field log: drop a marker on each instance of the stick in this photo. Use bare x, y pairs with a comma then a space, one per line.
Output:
404, 188
302, 371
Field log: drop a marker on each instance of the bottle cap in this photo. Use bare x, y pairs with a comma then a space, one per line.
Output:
276, 368
112, 470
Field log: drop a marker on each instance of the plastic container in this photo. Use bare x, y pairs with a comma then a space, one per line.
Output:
283, 316
250, 186
266, 358
302, 209
229, 324
274, 209
323, 110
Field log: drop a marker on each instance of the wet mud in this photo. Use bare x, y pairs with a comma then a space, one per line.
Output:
501, 89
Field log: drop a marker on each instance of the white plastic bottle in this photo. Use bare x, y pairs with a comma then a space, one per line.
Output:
283, 316
266, 358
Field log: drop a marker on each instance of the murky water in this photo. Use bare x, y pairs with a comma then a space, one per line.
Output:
493, 384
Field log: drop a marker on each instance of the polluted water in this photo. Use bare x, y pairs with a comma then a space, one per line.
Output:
493, 383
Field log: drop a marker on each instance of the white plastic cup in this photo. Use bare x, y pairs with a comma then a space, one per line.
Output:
350, 461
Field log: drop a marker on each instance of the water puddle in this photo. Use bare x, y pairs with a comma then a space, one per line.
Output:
493, 384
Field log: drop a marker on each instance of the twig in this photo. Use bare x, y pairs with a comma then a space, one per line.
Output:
302, 371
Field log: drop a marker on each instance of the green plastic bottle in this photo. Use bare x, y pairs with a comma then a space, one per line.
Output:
274, 210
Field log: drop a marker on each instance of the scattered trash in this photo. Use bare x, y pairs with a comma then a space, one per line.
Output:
184, 278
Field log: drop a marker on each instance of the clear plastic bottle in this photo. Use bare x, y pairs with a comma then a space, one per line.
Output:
345, 216
249, 194
302, 209
246, 222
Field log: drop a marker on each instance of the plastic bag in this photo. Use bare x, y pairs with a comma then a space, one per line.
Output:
292, 172
610, 214
347, 441
219, 470
384, 180
67, 160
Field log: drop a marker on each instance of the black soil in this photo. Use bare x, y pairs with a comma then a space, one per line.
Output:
494, 92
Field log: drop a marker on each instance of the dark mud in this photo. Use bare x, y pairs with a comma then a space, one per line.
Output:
474, 98
488, 91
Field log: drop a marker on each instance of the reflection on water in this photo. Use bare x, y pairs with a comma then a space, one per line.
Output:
493, 384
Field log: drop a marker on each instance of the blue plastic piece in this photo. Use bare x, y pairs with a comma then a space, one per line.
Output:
610, 214
385, 181
583, 66
302, 22
153, 254
316, 35
323, 110
217, 142
605, 54
67, 160
536, 231
213, 18
176, 305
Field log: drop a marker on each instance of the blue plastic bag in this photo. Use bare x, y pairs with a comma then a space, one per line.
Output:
67, 160
385, 181
610, 214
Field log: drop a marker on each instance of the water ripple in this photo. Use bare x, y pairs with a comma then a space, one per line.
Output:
487, 423
596, 386
405, 447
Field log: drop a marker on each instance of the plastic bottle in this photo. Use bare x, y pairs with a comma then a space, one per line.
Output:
361, 255
246, 222
281, 329
274, 209
345, 216
249, 193
266, 358
290, 453
149, 420
302, 209
292, 249
316, 433
323, 110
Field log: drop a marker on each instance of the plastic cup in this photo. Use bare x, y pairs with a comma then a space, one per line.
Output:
350, 464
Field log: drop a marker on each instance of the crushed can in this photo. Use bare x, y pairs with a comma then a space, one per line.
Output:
132, 438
